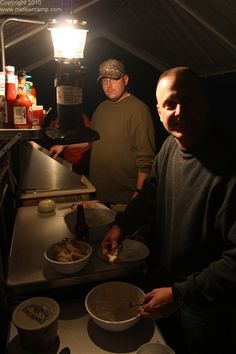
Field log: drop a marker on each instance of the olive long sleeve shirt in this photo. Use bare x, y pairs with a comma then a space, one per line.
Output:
126, 146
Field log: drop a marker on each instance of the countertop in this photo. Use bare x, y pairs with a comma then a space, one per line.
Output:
44, 176
33, 233
78, 332
85, 188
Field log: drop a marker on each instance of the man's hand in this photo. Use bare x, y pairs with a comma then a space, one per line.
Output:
110, 245
56, 150
159, 303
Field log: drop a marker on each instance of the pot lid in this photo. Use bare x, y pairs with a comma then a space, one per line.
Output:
75, 136
35, 313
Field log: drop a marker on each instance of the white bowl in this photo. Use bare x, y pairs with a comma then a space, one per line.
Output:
68, 267
108, 305
155, 348
98, 221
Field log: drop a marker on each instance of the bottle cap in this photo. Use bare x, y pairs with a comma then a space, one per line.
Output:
21, 73
9, 68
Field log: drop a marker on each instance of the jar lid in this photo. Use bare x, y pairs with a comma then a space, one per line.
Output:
35, 313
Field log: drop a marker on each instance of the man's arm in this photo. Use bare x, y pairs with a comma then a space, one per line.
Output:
139, 184
56, 150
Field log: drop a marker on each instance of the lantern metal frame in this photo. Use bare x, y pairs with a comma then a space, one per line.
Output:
13, 19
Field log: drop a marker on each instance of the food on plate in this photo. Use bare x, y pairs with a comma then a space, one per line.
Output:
69, 251
113, 256
129, 251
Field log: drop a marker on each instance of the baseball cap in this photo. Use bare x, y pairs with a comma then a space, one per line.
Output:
111, 68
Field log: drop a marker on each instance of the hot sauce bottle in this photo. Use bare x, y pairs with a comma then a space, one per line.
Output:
2, 99
10, 93
22, 104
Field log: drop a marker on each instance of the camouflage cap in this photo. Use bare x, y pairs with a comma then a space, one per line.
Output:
112, 69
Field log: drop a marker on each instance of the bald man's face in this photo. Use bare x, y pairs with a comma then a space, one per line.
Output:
182, 109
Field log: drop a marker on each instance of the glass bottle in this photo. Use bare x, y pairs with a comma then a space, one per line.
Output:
10, 95
31, 90
21, 80
33, 93
81, 227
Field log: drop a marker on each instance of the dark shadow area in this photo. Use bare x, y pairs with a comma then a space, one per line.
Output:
15, 346
122, 342
221, 91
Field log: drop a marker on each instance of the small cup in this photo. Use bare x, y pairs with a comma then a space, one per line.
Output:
37, 116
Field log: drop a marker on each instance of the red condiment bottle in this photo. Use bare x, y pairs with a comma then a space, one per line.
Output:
3, 106
22, 105
10, 94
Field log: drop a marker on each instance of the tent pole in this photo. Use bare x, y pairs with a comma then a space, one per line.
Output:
200, 20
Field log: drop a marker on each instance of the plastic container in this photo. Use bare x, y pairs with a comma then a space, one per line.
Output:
37, 116
36, 320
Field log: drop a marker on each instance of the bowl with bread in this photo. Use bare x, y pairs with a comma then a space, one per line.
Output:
68, 256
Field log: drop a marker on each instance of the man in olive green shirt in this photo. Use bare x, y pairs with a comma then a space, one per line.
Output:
122, 158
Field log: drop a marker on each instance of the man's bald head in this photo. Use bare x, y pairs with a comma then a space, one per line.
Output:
180, 73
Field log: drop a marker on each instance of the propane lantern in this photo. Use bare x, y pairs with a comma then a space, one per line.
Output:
69, 38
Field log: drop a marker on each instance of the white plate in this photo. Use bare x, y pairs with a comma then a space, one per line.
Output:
132, 250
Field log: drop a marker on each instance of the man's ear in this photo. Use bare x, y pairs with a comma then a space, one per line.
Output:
159, 111
126, 77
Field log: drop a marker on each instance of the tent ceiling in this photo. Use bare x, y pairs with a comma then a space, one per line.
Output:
164, 33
